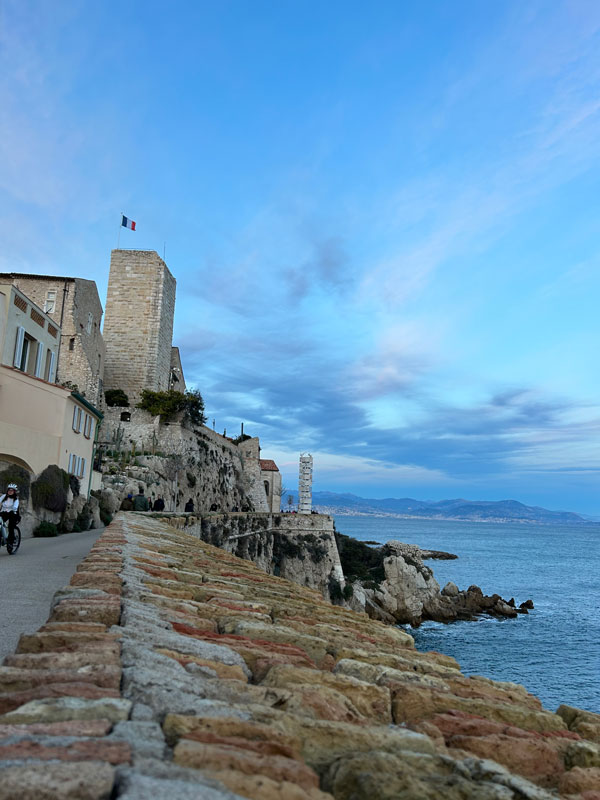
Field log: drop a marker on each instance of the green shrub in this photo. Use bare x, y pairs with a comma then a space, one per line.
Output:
49, 491
359, 561
45, 529
74, 485
167, 404
335, 590
105, 517
18, 475
76, 527
116, 397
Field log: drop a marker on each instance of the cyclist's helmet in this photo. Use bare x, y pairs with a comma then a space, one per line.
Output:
12, 486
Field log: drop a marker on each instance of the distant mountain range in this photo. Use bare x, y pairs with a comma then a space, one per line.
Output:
460, 509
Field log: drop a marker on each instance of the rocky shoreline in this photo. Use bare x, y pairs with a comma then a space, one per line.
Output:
408, 593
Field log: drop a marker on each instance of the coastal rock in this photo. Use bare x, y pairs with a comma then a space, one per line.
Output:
450, 589
585, 723
410, 593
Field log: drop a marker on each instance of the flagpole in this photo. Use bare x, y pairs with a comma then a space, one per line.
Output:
120, 226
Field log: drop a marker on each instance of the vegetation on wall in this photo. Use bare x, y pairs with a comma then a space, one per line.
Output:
241, 438
167, 404
18, 475
359, 561
45, 530
49, 491
116, 397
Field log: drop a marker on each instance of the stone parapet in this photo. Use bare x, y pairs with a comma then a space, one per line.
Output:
173, 669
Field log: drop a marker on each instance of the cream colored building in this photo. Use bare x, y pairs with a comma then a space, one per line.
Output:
41, 423
74, 307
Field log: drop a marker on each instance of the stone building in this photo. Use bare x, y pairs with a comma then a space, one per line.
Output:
271, 480
138, 326
74, 307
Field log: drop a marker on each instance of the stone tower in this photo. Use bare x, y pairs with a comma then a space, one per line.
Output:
138, 323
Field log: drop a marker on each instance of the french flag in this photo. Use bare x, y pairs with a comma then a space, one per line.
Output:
127, 223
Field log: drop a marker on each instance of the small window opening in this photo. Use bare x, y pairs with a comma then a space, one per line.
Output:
72, 343
125, 416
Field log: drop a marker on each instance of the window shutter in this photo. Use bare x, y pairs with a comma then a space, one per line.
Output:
38, 360
70, 467
19, 346
51, 370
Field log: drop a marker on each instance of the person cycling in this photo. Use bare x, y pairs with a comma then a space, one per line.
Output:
9, 510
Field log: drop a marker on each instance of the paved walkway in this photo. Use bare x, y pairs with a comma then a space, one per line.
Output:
29, 579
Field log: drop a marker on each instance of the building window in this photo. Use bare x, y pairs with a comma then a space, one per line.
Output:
88, 426
266, 488
39, 359
24, 351
76, 466
90, 322
49, 369
50, 304
77, 419
72, 343
125, 416
19, 345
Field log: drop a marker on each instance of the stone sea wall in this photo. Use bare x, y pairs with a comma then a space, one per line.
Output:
298, 547
171, 668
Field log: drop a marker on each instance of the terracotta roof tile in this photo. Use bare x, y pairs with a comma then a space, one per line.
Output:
268, 464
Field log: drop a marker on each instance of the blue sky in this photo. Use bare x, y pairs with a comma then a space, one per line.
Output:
382, 217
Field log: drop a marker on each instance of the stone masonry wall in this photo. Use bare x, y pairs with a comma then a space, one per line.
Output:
172, 669
213, 470
138, 326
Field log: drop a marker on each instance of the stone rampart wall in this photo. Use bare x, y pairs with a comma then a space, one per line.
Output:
213, 470
171, 669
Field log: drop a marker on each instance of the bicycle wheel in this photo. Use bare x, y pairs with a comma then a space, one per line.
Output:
11, 549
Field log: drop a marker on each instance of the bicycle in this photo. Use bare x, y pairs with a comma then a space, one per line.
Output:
11, 549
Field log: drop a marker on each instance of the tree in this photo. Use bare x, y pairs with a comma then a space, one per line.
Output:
116, 397
167, 404
290, 502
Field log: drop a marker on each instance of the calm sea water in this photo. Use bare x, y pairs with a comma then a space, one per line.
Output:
555, 650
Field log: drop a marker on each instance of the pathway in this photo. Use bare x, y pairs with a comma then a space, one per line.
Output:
29, 579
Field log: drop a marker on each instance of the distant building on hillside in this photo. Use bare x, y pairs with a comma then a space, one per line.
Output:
138, 325
74, 307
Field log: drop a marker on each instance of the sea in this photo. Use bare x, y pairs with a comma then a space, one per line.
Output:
554, 651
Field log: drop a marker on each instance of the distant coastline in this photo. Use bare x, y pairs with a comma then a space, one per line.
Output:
344, 512
458, 510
